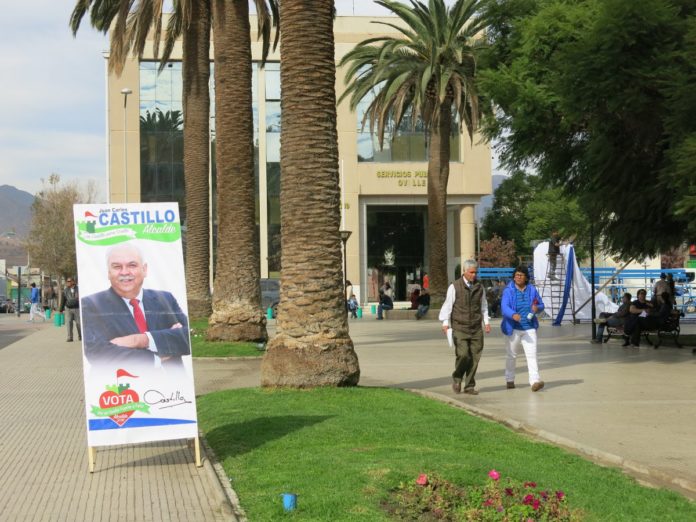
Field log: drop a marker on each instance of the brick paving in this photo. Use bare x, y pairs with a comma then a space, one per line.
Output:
43, 450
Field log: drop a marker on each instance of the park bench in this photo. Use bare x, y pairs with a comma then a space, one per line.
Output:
403, 314
670, 328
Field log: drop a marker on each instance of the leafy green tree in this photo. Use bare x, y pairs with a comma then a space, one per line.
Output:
506, 217
597, 96
525, 211
426, 73
550, 209
51, 239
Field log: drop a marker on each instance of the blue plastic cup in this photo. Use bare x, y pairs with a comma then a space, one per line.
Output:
289, 501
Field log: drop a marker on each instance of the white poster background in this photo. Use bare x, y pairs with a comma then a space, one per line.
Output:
169, 397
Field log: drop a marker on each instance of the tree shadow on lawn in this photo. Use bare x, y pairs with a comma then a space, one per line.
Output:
234, 439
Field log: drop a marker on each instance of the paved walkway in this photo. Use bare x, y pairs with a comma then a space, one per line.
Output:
43, 449
630, 407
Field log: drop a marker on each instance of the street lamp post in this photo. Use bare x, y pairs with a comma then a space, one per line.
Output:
125, 91
345, 234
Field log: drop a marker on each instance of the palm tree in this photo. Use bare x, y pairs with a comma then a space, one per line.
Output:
237, 313
426, 73
312, 346
191, 21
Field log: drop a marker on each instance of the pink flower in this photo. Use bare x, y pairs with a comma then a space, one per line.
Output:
422, 479
509, 492
544, 495
530, 484
528, 499
535, 504
488, 502
494, 474
560, 495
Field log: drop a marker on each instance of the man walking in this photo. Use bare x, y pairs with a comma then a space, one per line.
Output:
465, 310
71, 303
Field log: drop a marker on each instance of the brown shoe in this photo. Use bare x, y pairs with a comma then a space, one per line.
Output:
537, 386
510, 385
457, 387
471, 391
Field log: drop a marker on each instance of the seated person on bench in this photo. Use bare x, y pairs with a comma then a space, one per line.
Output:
615, 320
654, 321
423, 304
385, 303
639, 308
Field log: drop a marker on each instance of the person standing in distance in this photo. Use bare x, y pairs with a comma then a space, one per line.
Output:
465, 310
35, 309
71, 302
520, 304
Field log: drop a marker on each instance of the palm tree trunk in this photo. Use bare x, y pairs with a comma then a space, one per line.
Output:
312, 346
196, 105
438, 175
237, 314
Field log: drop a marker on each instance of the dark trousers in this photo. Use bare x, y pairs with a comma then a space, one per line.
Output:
381, 307
468, 348
611, 321
73, 315
643, 324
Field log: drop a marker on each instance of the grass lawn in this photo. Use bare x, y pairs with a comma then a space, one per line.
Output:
342, 450
202, 348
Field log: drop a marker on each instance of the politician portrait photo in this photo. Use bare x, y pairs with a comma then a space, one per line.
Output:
129, 324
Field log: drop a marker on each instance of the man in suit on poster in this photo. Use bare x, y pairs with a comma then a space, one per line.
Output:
129, 324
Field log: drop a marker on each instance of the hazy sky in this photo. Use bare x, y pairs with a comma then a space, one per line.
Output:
52, 93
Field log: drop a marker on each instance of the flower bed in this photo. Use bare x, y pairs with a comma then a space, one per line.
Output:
431, 498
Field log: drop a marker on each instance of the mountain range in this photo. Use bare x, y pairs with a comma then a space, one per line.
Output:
15, 220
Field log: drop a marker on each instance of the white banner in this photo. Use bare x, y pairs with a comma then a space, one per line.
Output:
135, 333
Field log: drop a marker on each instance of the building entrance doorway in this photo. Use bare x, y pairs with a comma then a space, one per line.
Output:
396, 248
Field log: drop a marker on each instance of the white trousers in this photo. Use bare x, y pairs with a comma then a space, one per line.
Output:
528, 340
35, 311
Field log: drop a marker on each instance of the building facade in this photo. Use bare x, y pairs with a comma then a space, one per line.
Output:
384, 191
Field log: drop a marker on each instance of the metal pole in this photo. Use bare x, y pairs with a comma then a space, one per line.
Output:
19, 290
592, 275
126, 91
345, 265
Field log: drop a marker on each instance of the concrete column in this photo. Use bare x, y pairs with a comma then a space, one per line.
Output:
467, 232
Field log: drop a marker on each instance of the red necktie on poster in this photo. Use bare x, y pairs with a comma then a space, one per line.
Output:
139, 316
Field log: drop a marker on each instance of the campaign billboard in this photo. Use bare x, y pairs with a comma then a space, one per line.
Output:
136, 347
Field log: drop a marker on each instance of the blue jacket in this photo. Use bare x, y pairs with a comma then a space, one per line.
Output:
508, 304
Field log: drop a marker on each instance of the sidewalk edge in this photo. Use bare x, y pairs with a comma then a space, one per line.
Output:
215, 467
646, 475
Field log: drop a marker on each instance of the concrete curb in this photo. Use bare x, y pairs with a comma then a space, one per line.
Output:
210, 462
645, 475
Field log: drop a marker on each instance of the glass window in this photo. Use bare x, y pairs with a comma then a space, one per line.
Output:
272, 81
272, 116
408, 143
273, 147
273, 201
148, 81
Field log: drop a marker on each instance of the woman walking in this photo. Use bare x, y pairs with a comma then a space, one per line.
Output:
520, 304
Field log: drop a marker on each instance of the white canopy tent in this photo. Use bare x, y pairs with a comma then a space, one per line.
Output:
575, 290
